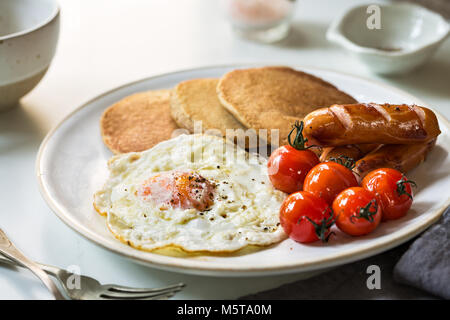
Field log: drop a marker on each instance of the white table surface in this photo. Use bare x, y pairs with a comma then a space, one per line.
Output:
107, 43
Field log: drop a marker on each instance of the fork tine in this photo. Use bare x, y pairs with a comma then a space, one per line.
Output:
124, 289
160, 297
139, 296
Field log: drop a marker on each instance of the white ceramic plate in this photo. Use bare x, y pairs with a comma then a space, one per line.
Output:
71, 166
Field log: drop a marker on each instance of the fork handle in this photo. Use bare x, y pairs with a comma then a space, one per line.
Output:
10, 262
51, 270
10, 251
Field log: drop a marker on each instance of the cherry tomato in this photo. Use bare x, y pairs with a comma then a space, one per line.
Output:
357, 211
306, 218
392, 190
327, 179
289, 164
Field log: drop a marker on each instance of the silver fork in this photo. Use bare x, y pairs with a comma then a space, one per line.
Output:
91, 289
8, 249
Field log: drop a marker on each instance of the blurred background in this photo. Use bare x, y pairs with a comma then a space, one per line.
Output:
106, 43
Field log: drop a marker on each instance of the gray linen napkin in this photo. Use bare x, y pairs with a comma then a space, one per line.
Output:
424, 264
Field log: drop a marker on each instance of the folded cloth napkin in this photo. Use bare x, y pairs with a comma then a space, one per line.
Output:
424, 264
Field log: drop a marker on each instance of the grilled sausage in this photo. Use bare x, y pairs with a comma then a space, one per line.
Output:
370, 123
353, 151
401, 157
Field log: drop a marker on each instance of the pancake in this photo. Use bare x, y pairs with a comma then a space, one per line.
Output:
275, 97
138, 122
196, 101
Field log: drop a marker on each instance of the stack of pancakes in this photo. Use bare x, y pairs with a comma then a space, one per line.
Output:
262, 99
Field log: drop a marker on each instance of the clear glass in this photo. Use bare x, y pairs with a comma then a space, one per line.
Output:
261, 20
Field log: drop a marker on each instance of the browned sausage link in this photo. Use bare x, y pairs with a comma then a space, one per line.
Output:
370, 123
401, 157
353, 151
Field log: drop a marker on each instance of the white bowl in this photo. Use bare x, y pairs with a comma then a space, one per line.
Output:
408, 36
28, 36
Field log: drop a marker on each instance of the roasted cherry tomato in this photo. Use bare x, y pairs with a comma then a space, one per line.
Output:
357, 211
327, 179
289, 164
306, 218
393, 191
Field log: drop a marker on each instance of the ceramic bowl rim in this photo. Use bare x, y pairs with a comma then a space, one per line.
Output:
54, 14
335, 33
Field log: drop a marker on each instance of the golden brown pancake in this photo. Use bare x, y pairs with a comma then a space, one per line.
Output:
275, 97
138, 122
196, 101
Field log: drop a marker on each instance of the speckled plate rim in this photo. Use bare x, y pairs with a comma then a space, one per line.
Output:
198, 267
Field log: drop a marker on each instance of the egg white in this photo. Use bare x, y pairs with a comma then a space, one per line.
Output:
245, 209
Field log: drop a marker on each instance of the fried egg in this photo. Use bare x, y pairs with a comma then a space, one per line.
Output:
194, 192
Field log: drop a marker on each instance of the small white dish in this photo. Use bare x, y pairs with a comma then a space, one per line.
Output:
71, 166
409, 35
28, 36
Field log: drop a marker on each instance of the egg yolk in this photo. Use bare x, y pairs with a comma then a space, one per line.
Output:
179, 189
